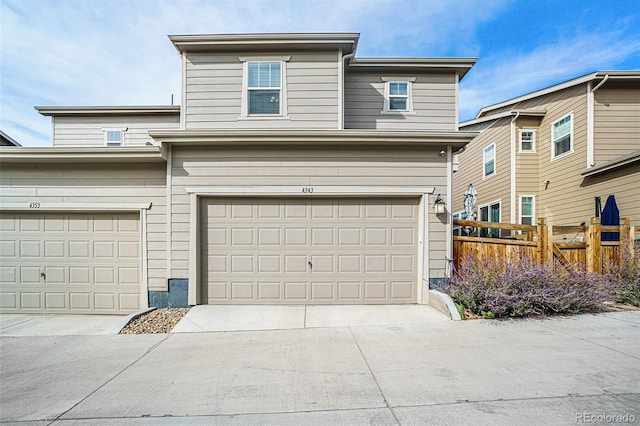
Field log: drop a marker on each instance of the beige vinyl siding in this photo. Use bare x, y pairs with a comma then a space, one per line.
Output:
88, 130
229, 168
470, 170
433, 103
623, 183
563, 201
527, 170
214, 91
97, 183
617, 120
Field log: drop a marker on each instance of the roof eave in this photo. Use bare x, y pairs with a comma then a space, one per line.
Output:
204, 42
459, 65
625, 160
108, 110
561, 86
81, 154
316, 138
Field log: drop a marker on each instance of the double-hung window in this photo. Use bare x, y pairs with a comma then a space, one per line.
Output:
397, 95
264, 88
527, 140
561, 136
489, 160
526, 209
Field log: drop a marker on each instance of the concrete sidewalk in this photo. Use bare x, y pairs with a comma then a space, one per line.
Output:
553, 371
265, 317
59, 324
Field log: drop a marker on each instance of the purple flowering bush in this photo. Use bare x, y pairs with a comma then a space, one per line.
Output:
625, 277
521, 287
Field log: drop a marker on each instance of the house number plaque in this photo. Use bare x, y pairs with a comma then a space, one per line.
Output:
307, 189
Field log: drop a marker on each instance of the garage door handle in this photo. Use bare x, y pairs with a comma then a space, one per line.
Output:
310, 264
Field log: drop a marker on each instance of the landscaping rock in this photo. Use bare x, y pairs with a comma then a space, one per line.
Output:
156, 321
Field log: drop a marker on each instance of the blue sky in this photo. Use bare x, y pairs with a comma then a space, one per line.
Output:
116, 52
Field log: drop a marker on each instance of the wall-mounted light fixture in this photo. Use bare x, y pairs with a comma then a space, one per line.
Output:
439, 205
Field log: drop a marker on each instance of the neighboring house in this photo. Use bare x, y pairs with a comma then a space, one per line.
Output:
550, 153
292, 173
6, 140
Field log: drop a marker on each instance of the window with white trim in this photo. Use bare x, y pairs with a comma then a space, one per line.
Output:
489, 160
490, 213
527, 209
397, 94
562, 136
527, 140
114, 137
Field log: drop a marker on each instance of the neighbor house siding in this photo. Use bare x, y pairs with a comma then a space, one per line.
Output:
470, 170
229, 168
95, 184
527, 170
433, 102
213, 96
617, 120
76, 130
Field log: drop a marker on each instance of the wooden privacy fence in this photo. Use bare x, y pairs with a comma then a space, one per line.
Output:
544, 242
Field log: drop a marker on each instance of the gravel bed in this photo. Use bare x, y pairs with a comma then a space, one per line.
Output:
156, 321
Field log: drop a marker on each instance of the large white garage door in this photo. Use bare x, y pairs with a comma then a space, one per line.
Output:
71, 263
320, 251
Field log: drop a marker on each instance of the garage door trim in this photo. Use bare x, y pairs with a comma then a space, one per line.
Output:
142, 208
194, 286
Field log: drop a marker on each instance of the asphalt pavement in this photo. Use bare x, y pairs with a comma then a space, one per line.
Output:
565, 370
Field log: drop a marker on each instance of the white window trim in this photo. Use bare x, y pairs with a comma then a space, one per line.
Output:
409, 81
495, 169
533, 142
571, 133
533, 208
122, 131
244, 104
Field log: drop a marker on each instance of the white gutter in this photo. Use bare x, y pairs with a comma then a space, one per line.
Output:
591, 121
512, 159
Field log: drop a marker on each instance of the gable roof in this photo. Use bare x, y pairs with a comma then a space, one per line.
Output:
599, 75
6, 140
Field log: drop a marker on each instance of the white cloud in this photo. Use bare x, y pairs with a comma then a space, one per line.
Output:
499, 78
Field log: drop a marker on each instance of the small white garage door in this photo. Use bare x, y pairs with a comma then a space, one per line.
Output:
71, 263
302, 251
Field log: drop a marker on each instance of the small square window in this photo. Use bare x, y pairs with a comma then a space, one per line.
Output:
397, 95
527, 140
114, 137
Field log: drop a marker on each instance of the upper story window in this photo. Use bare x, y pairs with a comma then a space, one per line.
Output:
114, 137
264, 87
562, 136
527, 140
397, 94
489, 161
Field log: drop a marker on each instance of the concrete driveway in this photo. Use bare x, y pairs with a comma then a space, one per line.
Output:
554, 371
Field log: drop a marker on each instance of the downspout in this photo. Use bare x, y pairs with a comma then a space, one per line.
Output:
512, 171
183, 98
591, 121
343, 65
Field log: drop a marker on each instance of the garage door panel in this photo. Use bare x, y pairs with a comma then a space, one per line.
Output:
64, 262
309, 251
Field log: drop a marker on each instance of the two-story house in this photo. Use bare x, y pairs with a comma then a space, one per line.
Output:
292, 173
556, 153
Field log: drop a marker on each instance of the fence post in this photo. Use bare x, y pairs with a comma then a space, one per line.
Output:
541, 252
625, 239
594, 257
